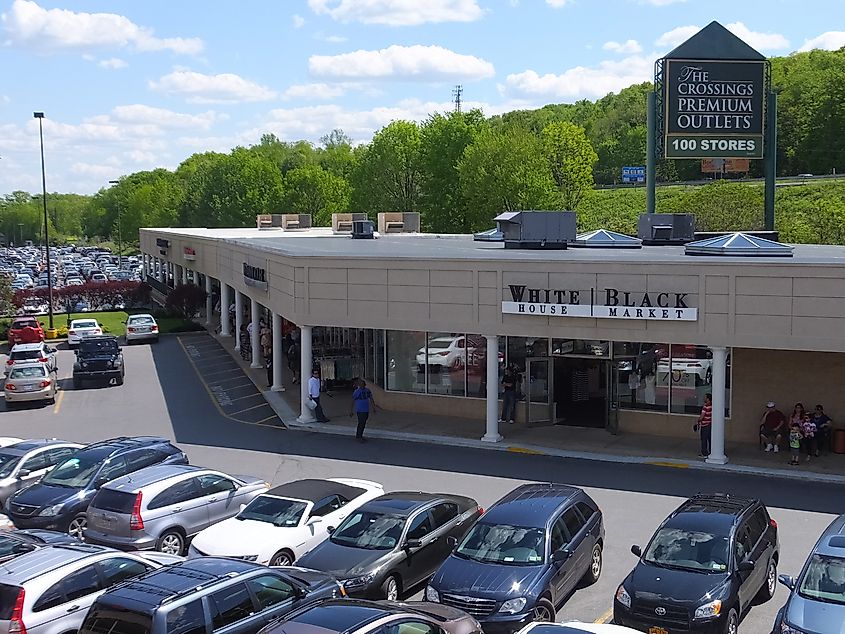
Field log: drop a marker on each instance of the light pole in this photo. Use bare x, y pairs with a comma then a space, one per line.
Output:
20, 226
40, 116
119, 240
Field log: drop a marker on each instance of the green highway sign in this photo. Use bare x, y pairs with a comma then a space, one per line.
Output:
713, 146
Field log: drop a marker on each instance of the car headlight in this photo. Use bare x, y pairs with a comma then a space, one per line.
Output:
51, 511
357, 582
623, 597
512, 606
432, 595
708, 610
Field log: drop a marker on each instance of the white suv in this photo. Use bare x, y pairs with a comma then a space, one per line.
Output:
30, 353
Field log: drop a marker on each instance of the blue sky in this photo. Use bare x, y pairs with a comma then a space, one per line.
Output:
131, 85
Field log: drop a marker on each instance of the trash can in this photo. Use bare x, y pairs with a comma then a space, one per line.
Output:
839, 441
51, 333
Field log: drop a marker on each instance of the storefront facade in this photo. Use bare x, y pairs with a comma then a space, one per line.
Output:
628, 340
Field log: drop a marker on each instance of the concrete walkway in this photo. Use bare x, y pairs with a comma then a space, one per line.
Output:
563, 441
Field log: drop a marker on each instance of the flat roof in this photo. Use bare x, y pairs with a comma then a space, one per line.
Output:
321, 242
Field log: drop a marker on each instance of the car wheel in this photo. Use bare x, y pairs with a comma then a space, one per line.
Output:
171, 542
77, 526
594, 571
732, 622
544, 611
77, 383
10, 405
119, 380
767, 591
390, 588
282, 558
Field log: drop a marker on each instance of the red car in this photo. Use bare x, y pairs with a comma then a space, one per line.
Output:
25, 330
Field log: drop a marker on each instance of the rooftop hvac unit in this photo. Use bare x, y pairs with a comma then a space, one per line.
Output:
536, 229
362, 230
666, 229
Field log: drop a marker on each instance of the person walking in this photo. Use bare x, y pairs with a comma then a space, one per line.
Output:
704, 424
362, 405
268, 363
314, 393
510, 379
293, 360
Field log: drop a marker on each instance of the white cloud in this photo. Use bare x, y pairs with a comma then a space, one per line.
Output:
755, 39
556, 4
660, 3
50, 30
401, 62
298, 21
200, 88
314, 92
628, 47
113, 63
4, 99
398, 12
142, 114
829, 41
332, 39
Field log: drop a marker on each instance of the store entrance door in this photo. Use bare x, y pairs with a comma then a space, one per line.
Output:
581, 391
538, 386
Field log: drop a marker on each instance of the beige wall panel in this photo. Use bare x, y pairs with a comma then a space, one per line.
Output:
327, 291
368, 276
451, 278
397, 293
369, 292
525, 325
622, 282
717, 284
763, 305
457, 314
529, 279
489, 296
281, 285
327, 275
717, 304
329, 311
571, 281
405, 311
281, 270
716, 323
300, 274
672, 283
759, 285
301, 289
490, 315
817, 326
820, 307
300, 306
774, 326
487, 279
367, 310
451, 295
820, 286
408, 277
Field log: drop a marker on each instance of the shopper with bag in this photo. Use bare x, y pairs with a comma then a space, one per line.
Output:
314, 394
703, 425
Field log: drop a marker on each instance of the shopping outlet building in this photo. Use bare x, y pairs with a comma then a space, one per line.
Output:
626, 339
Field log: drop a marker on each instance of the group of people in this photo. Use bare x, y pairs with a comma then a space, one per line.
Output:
805, 432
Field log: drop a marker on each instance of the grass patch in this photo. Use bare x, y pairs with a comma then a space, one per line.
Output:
113, 322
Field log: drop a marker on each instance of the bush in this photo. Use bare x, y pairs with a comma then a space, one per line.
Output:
97, 294
186, 300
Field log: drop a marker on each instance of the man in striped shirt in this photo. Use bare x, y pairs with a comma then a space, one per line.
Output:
705, 420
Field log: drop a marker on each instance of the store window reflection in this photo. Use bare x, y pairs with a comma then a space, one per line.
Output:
643, 375
520, 348
445, 361
692, 378
405, 373
476, 369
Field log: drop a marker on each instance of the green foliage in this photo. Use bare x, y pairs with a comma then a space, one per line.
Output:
186, 300
313, 190
7, 295
571, 158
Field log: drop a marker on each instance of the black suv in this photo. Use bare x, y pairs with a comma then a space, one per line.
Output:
60, 499
205, 594
703, 568
98, 358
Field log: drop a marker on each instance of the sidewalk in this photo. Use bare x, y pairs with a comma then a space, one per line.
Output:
562, 441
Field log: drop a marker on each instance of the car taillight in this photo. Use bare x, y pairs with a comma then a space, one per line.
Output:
71, 332
773, 523
45, 383
10, 362
445, 353
155, 328
43, 359
96, 331
480, 511
11, 387
136, 522
130, 330
16, 625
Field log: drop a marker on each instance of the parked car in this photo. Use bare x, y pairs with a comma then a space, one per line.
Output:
27, 383
141, 328
201, 595
25, 330
816, 600
61, 498
49, 590
30, 353
444, 352
25, 462
16, 543
382, 617
281, 524
164, 506
524, 557
81, 328
98, 357
574, 627
703, 567
394, 542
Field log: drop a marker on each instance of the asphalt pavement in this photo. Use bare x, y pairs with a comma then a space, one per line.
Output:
170, 391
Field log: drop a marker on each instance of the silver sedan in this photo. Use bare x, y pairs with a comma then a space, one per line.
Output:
141, 327
30, 382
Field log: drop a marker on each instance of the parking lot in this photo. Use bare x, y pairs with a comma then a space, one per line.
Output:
186, 388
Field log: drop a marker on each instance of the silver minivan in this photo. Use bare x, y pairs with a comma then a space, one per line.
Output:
164, 506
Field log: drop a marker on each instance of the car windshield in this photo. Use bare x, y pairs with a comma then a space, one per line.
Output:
373, 531
28, 372
98, 345
276, 511
7, 464
689, 550
21, 355
504, 544
74, 472
824, 580
142, 319
31, 323
89, 323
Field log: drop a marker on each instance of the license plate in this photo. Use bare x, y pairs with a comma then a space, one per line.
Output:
28, 388
142, 330
658, 630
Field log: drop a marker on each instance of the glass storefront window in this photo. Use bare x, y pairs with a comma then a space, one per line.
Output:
643, 374
446, 361
691, 377
406, 351
378, 357
476, 369
581, 347
520, 348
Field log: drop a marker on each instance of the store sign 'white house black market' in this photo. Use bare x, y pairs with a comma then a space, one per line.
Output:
607, 303
255, 276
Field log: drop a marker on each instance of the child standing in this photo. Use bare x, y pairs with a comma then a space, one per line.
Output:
794, 442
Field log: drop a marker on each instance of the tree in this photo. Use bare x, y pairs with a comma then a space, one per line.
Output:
7, 297
571, 158
505, 171
186, 300
387, 176
313, 190
443, 140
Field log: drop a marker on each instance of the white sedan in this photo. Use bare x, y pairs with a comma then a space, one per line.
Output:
80, 328
280, 525
140, 328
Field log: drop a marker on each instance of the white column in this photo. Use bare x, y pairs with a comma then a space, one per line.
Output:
209, 304
277, 354
161, 274
239, 318
717, 429
305, 362
225, 301
255, 337
492, 434
143, 266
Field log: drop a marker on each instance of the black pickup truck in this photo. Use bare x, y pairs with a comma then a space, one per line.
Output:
98, 358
